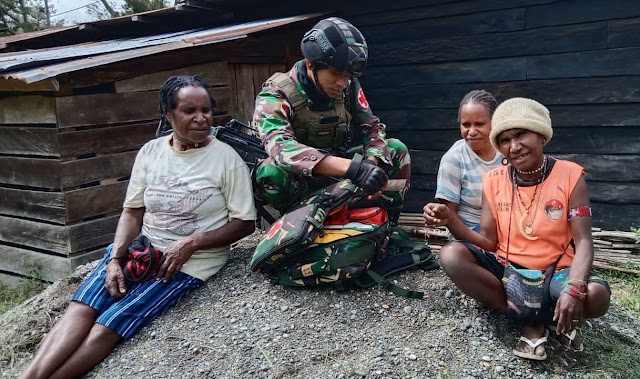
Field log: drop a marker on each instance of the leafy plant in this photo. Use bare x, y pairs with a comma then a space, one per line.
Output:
636, 231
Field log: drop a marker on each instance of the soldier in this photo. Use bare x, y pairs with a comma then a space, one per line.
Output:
315, 118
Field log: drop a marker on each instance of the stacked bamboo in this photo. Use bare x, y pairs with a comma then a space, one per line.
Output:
614, 250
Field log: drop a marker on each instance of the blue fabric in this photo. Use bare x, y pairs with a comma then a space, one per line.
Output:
560, 278
142, 303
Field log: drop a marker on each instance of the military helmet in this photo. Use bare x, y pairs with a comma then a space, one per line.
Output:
336, 43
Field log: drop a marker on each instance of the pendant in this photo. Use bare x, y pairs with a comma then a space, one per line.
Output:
526, 232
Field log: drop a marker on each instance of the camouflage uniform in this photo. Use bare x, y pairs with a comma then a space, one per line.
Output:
287, 175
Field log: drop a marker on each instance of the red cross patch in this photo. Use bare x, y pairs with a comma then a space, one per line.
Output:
362, 100
285, 109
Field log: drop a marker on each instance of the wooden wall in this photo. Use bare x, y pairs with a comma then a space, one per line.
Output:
246, 83
579, 58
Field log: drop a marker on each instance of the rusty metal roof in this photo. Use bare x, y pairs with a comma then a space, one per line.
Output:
42, 64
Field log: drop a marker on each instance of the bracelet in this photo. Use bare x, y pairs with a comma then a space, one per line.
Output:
572, 291
119, 259
580, 285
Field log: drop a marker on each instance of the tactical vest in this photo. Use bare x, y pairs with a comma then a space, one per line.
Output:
325, 130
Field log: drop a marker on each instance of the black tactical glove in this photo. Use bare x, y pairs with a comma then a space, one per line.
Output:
365, 174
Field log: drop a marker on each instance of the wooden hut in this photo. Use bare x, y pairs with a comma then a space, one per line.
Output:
74, 112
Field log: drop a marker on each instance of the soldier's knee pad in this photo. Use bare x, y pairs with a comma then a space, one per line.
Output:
273, 184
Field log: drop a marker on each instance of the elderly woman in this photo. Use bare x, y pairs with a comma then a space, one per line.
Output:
190, 196
535, 213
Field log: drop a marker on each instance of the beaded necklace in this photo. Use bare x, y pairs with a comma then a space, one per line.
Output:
188, 145
544, 163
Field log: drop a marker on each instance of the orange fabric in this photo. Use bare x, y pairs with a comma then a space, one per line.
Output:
551, 224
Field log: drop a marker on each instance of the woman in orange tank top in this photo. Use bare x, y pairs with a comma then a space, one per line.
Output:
535, 213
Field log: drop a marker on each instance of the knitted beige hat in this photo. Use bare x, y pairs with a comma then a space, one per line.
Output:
520, 113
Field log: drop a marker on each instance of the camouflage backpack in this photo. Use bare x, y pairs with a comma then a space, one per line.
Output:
324, 241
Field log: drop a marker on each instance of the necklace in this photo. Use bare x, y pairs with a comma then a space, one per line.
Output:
544, 163
187, 145
527, 230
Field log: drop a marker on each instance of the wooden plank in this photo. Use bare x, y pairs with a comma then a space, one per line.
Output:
610, 62
106, 140
488, 70
90, 234
623, 33
32, 172
504, 20
578, 11
623, 89
85, 110
492, 45
276, 67
595, 140
29, 141
47, 206
234, 102
18, 261
595, 115
10, 280
245, 92
27, 110
103, 109
13, 85
425, 182
82, 171
439, 9
607, 168
417, 119
260, 74
79, 259
39, 235
416, 200
614, 193
214, 73
94, 201
615, 216
434, 140
425, 162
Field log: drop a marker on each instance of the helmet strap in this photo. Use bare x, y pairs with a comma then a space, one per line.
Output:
314, 71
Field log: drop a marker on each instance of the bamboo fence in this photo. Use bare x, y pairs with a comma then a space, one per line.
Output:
613, 250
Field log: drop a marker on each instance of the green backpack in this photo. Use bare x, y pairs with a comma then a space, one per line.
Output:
324, 241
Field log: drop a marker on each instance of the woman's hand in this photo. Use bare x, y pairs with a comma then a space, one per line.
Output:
114, 282
174, 256
569, 313
436, 214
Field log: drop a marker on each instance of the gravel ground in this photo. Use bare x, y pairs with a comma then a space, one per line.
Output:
239, 325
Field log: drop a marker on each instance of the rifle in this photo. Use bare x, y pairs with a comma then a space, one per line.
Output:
247, 145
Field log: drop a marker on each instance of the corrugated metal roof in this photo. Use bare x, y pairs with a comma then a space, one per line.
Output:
37, 65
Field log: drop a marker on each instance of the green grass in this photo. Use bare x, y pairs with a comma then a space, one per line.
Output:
10, 296
625, 289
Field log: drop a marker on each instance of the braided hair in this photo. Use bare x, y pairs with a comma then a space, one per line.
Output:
481, 97
169, 91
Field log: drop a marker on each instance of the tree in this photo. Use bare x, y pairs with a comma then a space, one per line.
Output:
18, 16
137, 6
106, 9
